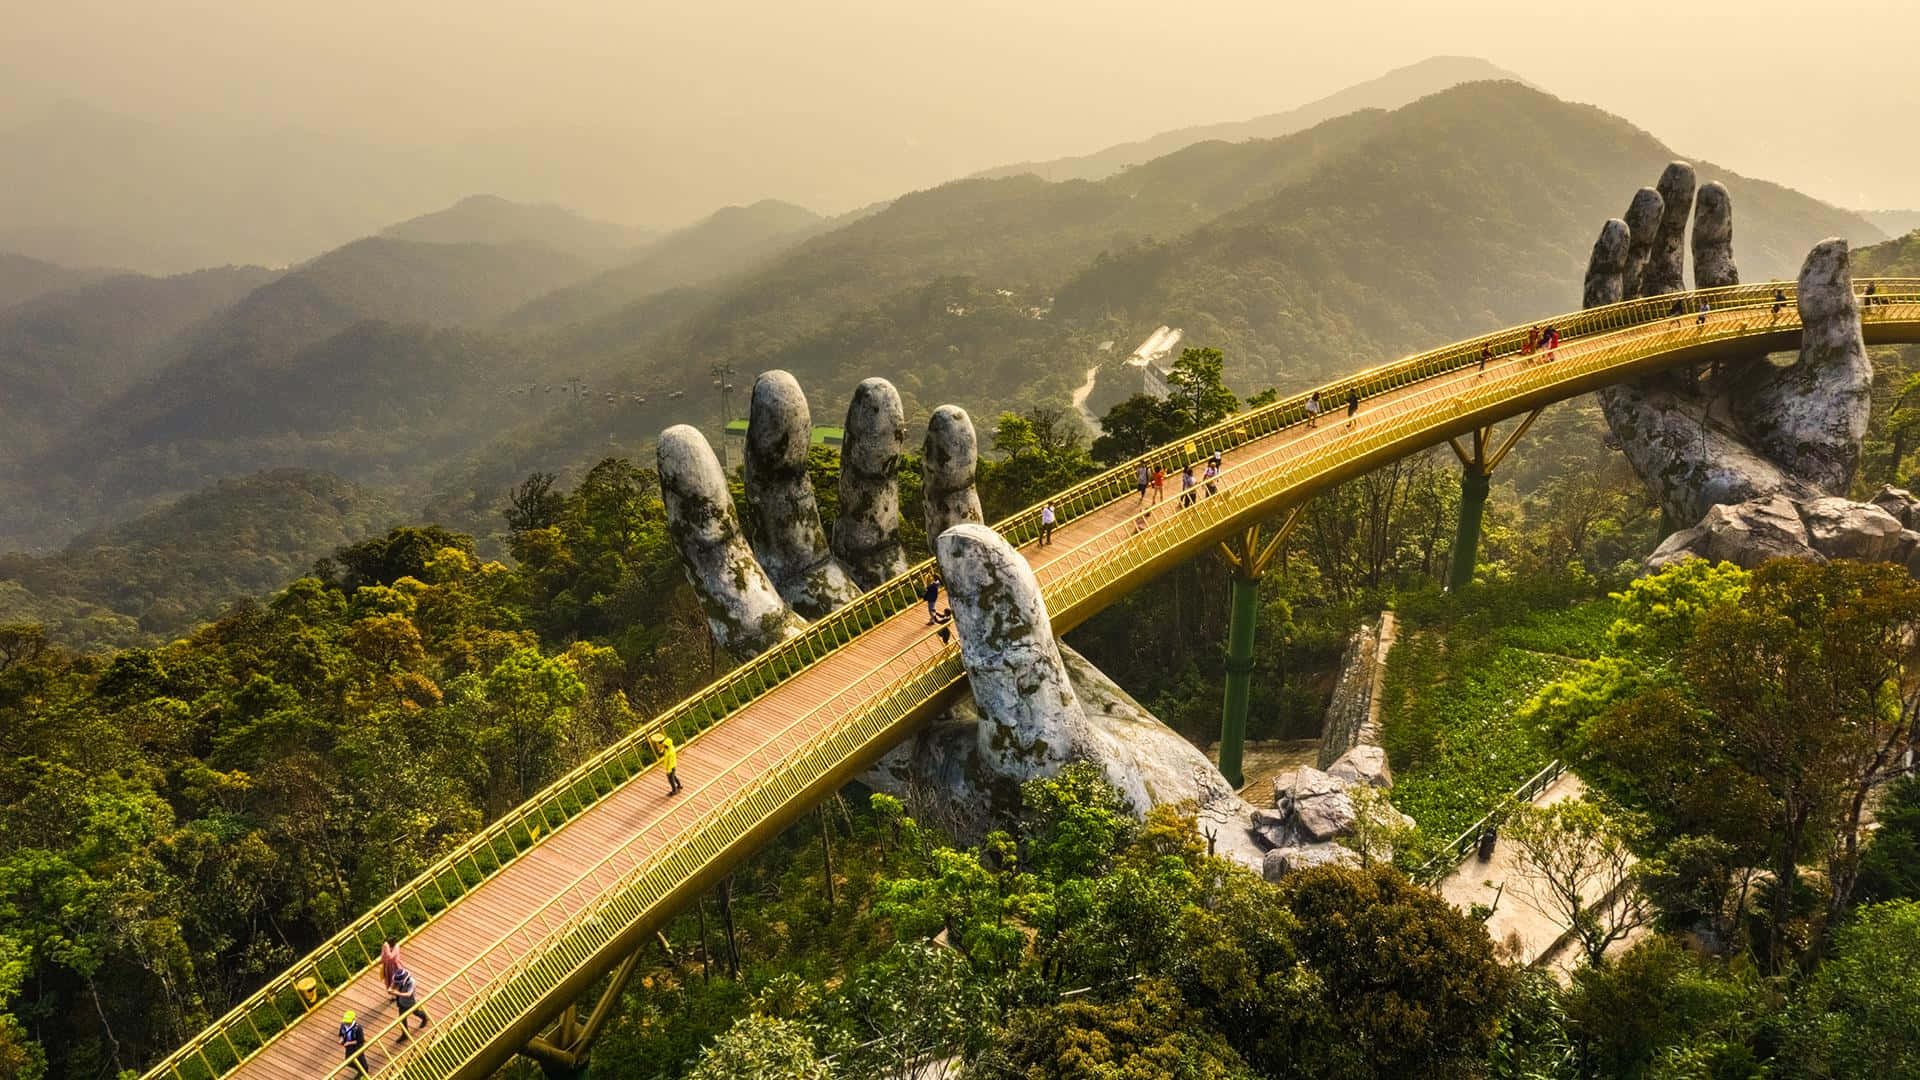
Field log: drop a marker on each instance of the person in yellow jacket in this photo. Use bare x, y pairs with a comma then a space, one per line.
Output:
664, 747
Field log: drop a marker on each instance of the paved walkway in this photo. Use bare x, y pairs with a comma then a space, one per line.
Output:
1516, 926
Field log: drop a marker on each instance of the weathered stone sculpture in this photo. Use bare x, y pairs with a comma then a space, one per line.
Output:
1756, 454
1035, 706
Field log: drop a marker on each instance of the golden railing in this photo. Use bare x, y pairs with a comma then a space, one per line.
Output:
1592, 352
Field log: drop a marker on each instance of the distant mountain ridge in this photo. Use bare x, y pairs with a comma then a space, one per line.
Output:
22, 278
490, 219
727, 241
1389, 91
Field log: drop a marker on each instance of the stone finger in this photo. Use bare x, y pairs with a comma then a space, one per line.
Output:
866, 530
1643, 224
1713, 237
1811, 416
1666, 260
742, 606
949, 458
787, 534
1033, 722
1607, 266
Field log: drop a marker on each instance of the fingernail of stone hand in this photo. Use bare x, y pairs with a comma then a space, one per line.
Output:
1007, 647
1713, 237
743, 608
1810, 417
1606, 265
866, 531
1643, 224
949, 458
788, 538
1666, 262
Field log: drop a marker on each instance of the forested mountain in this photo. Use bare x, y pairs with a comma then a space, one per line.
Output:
730, 240
23, 278
1899, 257
1353, 241
169, 570
1389, 91
63, 354
1893, 222
490, 219
1472, 209
259, 383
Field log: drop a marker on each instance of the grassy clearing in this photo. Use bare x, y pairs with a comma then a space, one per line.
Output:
1454, 683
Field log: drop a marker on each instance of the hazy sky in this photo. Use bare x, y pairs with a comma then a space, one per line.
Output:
844, 101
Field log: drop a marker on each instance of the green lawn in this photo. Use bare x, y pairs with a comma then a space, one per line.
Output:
1452, 690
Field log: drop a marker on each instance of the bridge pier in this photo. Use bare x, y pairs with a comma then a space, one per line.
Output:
563, 1050
1476, 480
1249, 564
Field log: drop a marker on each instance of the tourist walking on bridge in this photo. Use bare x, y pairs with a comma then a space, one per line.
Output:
932, 597
406, 1000
669, 760
1142, 479
1046, 524
353, 1042
1353, 406
1159, 482
1212, 475
1313, 412
1186, 485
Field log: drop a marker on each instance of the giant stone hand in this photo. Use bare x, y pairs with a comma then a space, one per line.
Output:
1759, 456
1035, 705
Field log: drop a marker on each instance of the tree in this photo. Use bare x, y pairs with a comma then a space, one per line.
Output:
762, 1048
1394, 982
1802, 676
1857, 1017
1655, 1004
1150, 1034
1196, 391
1580, 870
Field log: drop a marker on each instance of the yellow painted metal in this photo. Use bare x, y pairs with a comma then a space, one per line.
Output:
629, 896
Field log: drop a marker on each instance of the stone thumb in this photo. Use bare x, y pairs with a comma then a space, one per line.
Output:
1035, 723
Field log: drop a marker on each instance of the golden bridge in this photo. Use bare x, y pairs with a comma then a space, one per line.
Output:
510, 929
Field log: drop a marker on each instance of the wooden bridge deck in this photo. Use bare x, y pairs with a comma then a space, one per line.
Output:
506, 917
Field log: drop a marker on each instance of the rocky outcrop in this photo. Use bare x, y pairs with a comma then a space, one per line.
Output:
1364, 765
1280, 862
1314, 810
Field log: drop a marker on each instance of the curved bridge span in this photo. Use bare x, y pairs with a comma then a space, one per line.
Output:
507, 930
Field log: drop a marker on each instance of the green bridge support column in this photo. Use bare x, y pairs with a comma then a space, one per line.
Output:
1476, 479
1474, 485
1233, 713
1249, 565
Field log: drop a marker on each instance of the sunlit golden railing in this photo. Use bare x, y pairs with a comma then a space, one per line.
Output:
547, 946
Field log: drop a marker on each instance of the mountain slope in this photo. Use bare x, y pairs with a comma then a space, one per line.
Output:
490, 219
1389, 91
23, 278
180, 565
1475, 208
730, 240
62, 354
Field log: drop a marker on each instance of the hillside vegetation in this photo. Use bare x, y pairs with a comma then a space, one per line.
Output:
165, 572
